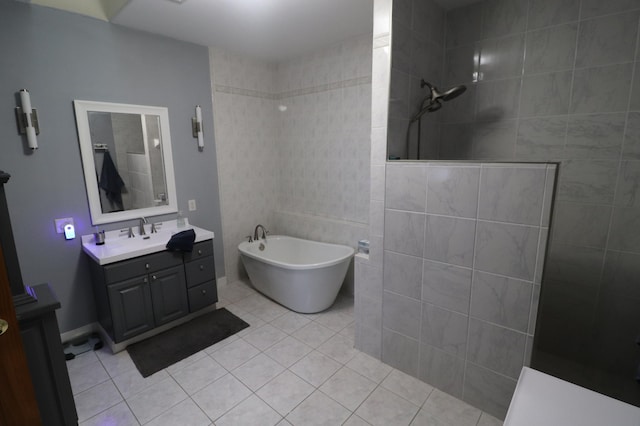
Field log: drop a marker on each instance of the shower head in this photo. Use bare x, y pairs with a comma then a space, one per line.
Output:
447, 95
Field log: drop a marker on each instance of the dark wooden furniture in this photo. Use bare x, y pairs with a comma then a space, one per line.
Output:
34, 316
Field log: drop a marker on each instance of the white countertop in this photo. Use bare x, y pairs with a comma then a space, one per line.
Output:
118, 246
544, 400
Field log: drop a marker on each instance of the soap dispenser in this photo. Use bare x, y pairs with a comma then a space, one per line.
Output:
181, 220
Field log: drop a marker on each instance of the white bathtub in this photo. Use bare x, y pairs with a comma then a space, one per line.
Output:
305, 276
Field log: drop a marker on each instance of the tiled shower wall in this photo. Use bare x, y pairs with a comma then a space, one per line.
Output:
559, 81
293, 139
418, 53
463, 254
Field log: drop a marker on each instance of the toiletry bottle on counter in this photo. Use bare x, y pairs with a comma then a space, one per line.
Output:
181, 221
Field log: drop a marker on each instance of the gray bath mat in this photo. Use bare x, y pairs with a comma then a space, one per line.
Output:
167, 348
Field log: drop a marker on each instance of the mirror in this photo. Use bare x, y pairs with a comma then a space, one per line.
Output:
127, 160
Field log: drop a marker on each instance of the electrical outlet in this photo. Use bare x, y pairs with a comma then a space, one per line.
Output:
192, 205
60, 223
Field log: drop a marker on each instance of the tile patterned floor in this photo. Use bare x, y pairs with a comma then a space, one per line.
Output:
285, 369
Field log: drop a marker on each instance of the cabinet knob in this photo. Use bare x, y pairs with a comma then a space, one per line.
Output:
202, 267
146, 265
154, 277
199, 252
204, 291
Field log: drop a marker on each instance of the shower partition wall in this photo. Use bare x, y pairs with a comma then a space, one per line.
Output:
550, 81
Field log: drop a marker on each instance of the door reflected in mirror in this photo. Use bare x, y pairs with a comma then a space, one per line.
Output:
126, 154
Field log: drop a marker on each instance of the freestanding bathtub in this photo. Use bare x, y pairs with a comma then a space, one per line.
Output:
305, 276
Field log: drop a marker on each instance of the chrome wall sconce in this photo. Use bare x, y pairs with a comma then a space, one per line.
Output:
27, 119
196, 127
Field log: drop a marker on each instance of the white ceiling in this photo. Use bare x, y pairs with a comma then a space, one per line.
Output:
269, 29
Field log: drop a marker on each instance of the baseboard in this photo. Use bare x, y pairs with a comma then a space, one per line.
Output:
78, 332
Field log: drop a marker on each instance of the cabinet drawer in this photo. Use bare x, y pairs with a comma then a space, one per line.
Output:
202, 295
141, 265
201, 249
200, 270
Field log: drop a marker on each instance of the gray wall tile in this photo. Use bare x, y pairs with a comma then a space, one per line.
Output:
399, 94
595, 136
444, 329
589, 181
498, 99
551, 49
591, 8
404, 232
400, 314
495, 140
442, 370
621, 274
581, 224
631, 150
369, 280
549, 193
368, 340
464, 25
635, 93
400, 352
368, 310
628, 190
503, 17
449, 240
607, 40
506, 54
572, 264
461, 109
401, 47
533, 313
447, 286
406, 187
434, 16
591, 95
625, 229
453, 191
456, 141
506, 249
487, 390
500, 300
495, 348
543, 13
403, 274
541, 256
459, 65
512, 194
545, 94
541, 138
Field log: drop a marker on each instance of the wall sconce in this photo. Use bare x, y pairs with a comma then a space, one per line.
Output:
196, 127
27, 119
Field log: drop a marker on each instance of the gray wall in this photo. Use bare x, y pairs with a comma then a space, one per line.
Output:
464, 248
60, 57
559, 81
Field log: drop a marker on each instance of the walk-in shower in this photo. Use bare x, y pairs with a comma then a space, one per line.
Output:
430, 103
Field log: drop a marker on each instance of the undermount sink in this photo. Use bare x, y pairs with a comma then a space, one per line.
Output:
118, 246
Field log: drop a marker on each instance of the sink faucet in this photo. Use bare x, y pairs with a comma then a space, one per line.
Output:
141, 226
264, 232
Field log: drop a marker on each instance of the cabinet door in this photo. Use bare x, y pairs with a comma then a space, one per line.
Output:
131, 307
169, 294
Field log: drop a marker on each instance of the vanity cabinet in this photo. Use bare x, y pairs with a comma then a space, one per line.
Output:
136, 295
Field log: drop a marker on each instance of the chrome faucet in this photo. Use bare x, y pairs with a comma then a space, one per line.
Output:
141, 226
264, 232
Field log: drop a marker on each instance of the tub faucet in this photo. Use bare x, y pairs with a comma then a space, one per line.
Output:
141, 226
264, 232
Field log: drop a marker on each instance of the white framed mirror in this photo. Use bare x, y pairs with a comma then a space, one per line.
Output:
127, 160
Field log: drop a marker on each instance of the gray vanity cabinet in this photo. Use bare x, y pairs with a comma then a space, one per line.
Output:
168, 295
136, 295
131, 307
